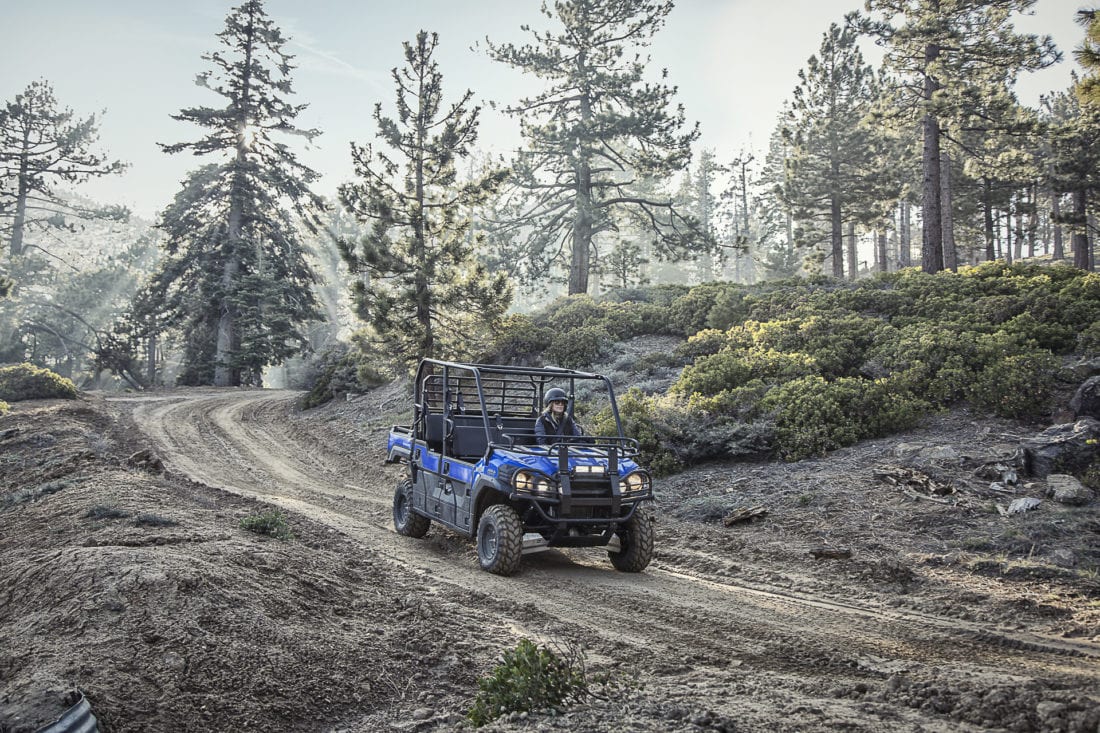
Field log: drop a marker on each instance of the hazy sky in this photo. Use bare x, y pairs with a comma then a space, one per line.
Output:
734, 61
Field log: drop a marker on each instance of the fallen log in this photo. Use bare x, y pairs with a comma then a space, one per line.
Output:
831, 553
743, 514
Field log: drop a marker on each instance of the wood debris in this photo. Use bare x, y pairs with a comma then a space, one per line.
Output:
831, 553
916, 484
743, 514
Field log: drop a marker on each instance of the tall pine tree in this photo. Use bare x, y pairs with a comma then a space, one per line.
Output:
830, 149
596, 132
236, 282
427, 295
42, 146
939, 48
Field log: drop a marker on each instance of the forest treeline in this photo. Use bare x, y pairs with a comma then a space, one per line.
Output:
926, 164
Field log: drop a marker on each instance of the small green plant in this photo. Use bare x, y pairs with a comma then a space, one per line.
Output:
271, 523
154, 520
106, 512
529, 678
4, 407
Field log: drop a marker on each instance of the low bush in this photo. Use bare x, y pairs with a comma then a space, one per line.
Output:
339, 370
578, 348
529, 678
1017, 386
272, 523
519, 341
814, 416
28, 382
4, 407
641, 421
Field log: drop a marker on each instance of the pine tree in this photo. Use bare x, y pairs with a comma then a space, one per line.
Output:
594, 133
236, 283
42, 146
428, 296
939, 48
830, 148
1088, 55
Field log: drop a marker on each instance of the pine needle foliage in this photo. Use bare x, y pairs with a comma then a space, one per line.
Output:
598, 137
422, 292
235, 283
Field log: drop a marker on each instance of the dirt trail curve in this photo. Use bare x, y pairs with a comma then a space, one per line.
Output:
749, 644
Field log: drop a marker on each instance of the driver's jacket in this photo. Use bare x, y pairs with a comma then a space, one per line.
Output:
547, 429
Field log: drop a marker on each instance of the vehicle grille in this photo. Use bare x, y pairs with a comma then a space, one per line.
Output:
585, 487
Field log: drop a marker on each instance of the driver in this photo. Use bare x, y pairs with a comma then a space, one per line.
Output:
554, 423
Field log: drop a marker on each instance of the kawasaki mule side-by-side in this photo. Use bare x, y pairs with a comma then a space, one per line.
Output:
476, 466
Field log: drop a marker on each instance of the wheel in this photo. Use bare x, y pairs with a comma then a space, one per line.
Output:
635, 541
499, 540
405, 520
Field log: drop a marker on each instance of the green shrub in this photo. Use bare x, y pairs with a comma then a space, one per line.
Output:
339, 370
1088, 341
519, 341
640, 421
704, 343
4, 407
1019, 385
814, 416
730, 370
691, 312
579, 347
575, 311
529, 678
272, 523
28, 382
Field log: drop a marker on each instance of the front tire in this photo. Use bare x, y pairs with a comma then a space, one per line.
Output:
499, 540
405, 520
636, 538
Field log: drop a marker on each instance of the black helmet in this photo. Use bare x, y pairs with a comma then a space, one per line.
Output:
554, 394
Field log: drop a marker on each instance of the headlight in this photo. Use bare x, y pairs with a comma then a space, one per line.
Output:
534, 483
637, 482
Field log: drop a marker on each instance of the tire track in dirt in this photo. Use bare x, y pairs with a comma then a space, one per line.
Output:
671, 617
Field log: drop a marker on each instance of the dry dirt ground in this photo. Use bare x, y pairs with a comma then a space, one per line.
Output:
140, 588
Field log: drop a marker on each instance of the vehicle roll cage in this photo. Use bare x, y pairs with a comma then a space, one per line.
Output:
452, 401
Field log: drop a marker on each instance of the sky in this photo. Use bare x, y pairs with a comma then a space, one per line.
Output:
734, 62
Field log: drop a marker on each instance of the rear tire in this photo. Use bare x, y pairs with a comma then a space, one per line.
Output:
405, 520
499, 540
636, 538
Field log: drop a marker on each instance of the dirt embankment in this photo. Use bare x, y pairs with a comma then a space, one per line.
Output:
140, 588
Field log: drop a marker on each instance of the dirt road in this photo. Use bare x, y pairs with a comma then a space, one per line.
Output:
708, 638
141, 589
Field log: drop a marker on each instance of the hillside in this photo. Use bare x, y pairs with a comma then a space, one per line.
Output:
142, 590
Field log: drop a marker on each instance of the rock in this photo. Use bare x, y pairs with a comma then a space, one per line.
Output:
1066, 489
1085, 368
146, 460
1086, 401
1063, 448
1025, 504
906, 451
422, 714
9, 433
942, 453
1064, 558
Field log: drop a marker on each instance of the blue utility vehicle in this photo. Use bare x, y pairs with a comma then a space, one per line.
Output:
475, 466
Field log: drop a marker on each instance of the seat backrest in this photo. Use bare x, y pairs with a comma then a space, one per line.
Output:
469, 441
434, 432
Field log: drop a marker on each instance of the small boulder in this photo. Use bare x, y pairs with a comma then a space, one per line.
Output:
1063, 448
1086, 400
1066, 489
146, 460
1025, 504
